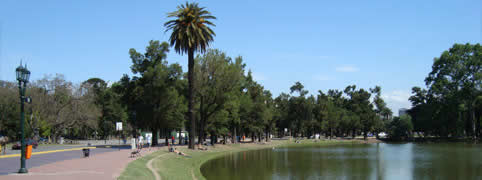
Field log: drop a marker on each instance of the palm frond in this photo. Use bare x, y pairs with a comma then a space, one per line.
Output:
190, 28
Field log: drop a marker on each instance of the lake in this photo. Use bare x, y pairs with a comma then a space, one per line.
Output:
352, 161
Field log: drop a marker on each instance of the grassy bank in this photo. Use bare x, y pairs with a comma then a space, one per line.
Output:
172, 166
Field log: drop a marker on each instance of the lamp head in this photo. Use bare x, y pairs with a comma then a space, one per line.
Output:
26, 74
19, 72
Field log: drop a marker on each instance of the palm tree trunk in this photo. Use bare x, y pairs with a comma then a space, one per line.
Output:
190, 77
201, 121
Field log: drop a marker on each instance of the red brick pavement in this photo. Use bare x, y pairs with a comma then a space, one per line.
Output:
107, 165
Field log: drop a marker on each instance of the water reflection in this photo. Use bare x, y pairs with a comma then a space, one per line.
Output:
372, 161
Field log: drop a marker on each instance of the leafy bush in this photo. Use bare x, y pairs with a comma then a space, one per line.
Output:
400, 127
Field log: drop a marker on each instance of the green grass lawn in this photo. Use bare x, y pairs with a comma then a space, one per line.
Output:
173, 166
137, 169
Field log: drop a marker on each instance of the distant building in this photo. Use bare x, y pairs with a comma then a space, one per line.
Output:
388, 117
402, 111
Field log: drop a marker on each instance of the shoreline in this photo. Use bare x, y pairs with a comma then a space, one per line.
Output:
432, 140
170, 165
173, 166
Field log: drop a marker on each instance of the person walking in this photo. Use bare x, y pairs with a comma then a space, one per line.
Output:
140, 141
149, 141
3, 145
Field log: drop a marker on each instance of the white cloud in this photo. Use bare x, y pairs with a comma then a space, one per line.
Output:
347, 68
259, 77
397, 99
323, 78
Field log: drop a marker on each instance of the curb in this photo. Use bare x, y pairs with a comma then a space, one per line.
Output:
46, 152
112, 146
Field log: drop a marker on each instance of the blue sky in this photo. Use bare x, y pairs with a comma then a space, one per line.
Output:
323, 44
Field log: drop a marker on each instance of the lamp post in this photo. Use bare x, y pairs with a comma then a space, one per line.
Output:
23, 74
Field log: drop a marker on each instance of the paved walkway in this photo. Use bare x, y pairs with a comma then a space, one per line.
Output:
12, 164
108, 165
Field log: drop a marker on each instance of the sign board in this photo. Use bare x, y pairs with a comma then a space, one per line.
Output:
118, 126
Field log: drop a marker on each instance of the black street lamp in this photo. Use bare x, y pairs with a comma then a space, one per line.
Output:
23, 74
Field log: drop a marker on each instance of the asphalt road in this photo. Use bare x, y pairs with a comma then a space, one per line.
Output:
11, 165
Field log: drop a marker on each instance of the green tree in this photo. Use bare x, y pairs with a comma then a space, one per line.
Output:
190, 33
360, 104
268, 115
281, 113
299, 112
218, 82
333, 118
456, 78
449, 106
401, 127
156, 96
381, 110
9, 109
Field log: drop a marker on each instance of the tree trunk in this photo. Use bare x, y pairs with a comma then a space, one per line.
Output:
154, 137
179, 137
166, 136
191, 97
267, 135
474, 127
478, 125
234, 138
329, 133
365, 133
200, 138
214, 139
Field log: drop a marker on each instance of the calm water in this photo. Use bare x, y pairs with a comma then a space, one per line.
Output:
368, 161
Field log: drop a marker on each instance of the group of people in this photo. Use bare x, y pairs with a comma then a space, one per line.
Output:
139, 142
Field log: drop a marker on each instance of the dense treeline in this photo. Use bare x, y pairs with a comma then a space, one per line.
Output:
229, 103
452, 104
58, 108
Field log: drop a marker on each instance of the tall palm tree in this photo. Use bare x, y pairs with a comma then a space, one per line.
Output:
190, 33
